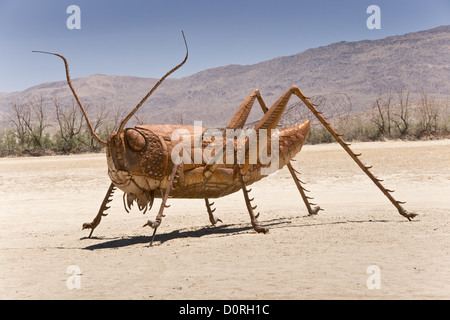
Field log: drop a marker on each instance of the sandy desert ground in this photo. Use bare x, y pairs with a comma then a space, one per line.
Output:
44, 254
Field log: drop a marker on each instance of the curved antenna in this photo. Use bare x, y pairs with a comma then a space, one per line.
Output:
128, 117
91, 129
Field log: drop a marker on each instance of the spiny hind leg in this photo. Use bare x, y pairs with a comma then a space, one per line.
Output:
296, 91
92, 225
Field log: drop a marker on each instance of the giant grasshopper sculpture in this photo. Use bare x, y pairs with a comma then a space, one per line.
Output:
140, 165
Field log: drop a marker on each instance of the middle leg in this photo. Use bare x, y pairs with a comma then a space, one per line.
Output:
253, 218
237, 122
212, 219
270, 121
302, 190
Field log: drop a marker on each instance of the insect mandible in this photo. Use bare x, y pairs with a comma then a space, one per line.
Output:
140, 161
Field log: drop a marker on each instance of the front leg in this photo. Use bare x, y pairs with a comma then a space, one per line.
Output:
157, 222
92, 225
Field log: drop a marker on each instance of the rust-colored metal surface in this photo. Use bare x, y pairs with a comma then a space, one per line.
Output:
144, 162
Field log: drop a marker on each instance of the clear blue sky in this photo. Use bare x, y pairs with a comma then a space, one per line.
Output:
143, 37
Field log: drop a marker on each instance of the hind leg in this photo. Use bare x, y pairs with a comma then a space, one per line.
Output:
269, 120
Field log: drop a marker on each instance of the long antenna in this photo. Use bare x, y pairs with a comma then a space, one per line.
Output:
91, 129
128, 117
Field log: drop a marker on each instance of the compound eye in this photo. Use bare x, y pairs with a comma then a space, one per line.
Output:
135, 140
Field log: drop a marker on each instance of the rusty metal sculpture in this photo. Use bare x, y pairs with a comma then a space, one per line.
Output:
140, 165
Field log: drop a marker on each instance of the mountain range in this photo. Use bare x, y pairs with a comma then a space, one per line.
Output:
362, 70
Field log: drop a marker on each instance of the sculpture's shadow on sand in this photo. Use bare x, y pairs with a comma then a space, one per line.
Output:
219, 230
212, 231
223, 230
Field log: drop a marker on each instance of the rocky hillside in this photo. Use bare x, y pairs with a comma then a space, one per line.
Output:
419, 61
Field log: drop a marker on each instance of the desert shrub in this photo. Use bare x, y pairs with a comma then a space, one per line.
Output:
29, 131
8, 143
319, 135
